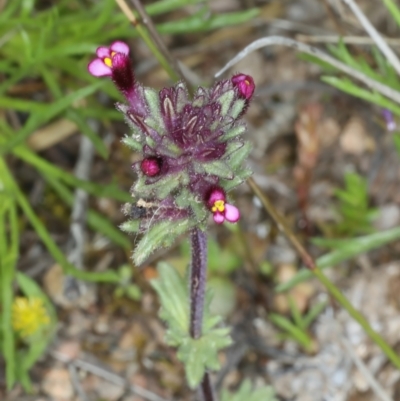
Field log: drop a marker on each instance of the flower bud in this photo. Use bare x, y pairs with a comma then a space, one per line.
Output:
122, 73
245, 85
151, 166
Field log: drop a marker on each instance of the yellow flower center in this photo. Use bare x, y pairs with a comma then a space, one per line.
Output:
219, 206
108, 60
29, 315
247, 82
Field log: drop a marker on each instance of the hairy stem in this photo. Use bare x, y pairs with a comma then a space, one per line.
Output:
207, 389
198, 276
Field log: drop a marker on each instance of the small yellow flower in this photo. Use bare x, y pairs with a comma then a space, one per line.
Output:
29, 315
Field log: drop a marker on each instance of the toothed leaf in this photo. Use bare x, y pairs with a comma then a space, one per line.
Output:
160, 235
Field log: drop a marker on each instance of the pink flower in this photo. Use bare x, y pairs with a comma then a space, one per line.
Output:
102, 66
245, 85
221, 210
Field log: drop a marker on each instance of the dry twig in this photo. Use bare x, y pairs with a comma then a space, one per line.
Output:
313, 51
107, 375
351, 40
375, 35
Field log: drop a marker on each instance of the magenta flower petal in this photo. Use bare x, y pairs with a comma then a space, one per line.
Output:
120, 47
102, 52
216, 195
218, 218
98, 69
232, 213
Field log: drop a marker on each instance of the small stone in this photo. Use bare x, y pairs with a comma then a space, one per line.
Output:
354, 139
109, 391
57, 384
388, 217
69, 349
102, 325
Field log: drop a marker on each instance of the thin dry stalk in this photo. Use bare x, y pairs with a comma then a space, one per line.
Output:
375, 35
313, 51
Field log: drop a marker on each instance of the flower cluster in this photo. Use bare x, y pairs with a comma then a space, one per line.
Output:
192, 149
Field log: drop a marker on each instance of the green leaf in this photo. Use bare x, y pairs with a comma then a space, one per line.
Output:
133, 292
222, 261
237, 108
52, 110
218, 168
163, 6
130, 226
153, 102
393, 9
132, 143
313, 313
161, 235
226, 100
346, 249
44, 235
162, 187
295, 332
172, 291
106, 191
198, 355
246, 393
348, 86
8, 217
240, 156
234, 132
203, 22
317, 61
396, 140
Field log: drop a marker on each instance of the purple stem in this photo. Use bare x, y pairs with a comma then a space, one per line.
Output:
207, 389
198, 277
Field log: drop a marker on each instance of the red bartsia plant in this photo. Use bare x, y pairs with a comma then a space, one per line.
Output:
192, 150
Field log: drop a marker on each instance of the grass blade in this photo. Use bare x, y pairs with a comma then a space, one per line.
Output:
345, 251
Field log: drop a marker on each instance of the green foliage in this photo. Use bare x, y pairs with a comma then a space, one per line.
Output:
382, 72
246, 393
197, 355
393, 9
297, 328
343, 249
8, 257
125, 288
161, 235
355, 213
221, 261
